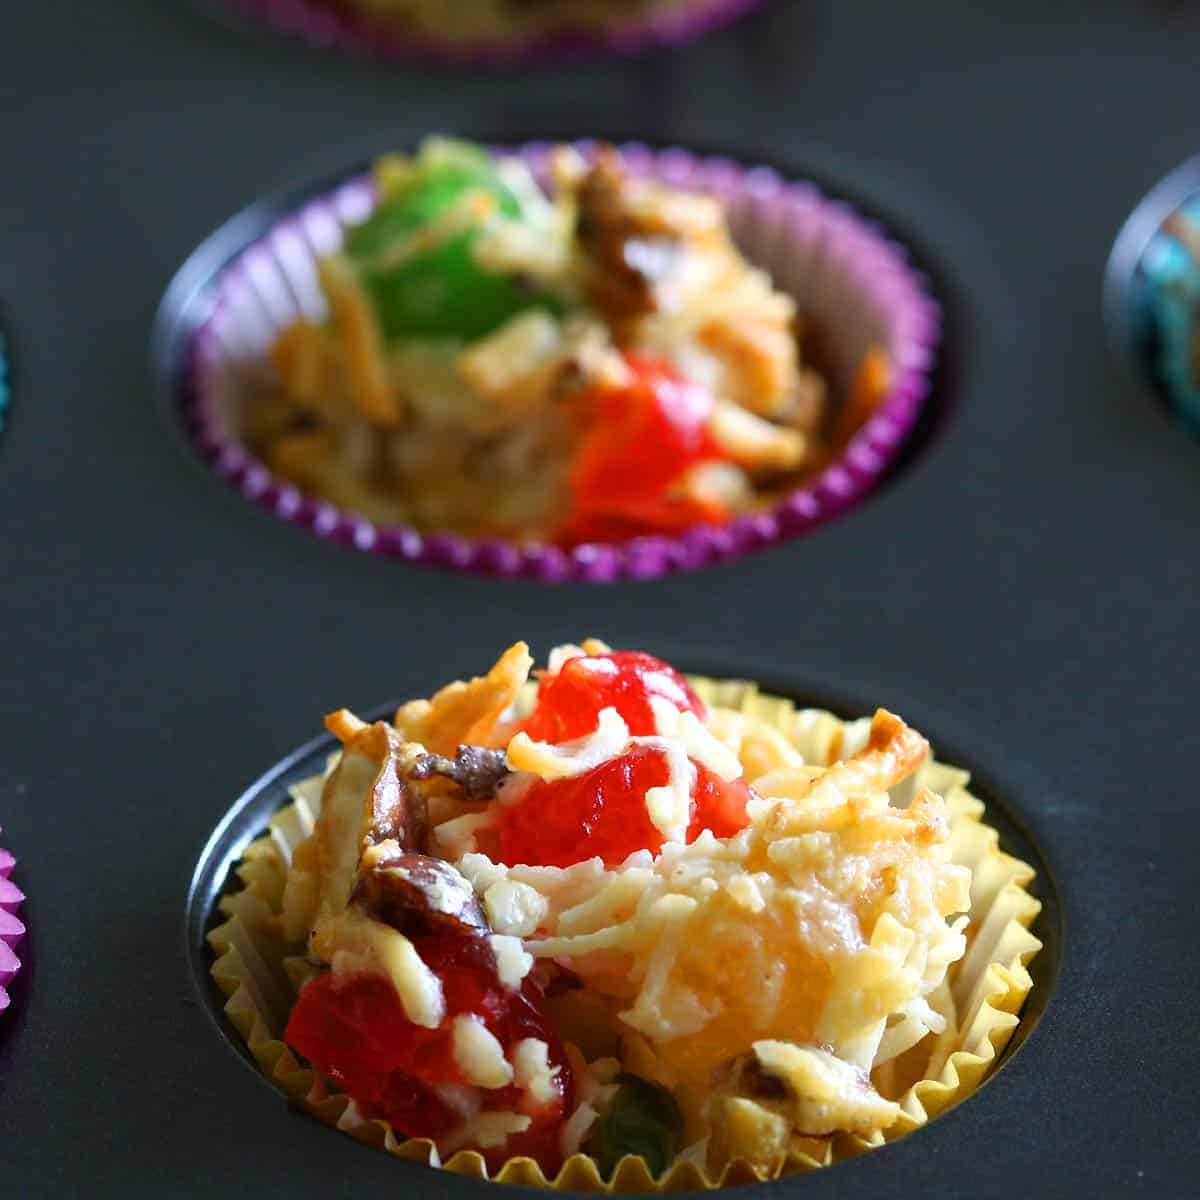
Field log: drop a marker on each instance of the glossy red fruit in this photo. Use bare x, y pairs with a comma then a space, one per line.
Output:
358, 1035
569, 703
643, 438
602, 813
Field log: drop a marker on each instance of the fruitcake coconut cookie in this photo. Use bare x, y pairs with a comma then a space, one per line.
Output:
494, 32
473, 21
614, 923
559, 362
590, 363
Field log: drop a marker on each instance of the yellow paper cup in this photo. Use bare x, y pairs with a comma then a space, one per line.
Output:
260, 975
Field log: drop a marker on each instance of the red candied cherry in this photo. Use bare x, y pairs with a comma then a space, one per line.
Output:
569, 703
646, 434
358, 1035
602, 813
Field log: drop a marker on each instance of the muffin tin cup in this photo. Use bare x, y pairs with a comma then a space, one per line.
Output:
847, 276
329, 25
11, 928
241, 874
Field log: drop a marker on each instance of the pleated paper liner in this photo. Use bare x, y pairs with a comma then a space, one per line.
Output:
11, 928
336, 25
260, 976
851, 282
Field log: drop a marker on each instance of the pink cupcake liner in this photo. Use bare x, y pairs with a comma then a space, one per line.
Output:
11, 928
328, 25
844, 272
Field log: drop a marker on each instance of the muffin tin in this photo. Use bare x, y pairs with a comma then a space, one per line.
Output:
1025, 591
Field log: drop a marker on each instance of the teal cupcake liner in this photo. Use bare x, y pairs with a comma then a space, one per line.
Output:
4, 391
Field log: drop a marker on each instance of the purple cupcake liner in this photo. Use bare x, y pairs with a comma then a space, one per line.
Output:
11, 928
843, 271
327, 25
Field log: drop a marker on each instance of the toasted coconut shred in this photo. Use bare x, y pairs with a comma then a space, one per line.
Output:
802, 989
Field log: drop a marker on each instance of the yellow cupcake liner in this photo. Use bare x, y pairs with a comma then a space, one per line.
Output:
260, 975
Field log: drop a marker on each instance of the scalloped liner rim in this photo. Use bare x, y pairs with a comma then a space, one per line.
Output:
11, 899
916, 330
1006, 987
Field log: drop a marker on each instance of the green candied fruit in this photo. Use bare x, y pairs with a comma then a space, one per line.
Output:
643, 1119
438, 291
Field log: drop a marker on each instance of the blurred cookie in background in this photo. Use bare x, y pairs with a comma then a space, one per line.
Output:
492, 32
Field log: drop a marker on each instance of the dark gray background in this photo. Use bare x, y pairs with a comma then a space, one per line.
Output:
1027, 591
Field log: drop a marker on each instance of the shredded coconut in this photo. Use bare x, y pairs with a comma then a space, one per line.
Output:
670, 806
532, 1071
367, 946
824, 916
577, 1128
487, 1130
478, 1055
514, 908
512, 961
607, 740
697, 740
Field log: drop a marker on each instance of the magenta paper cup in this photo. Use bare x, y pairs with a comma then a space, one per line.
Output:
337, 25
847, 276
11, 928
